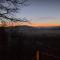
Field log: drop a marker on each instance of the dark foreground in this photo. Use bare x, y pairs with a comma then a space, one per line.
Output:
21, 43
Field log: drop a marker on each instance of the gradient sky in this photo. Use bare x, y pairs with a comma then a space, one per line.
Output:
42, 11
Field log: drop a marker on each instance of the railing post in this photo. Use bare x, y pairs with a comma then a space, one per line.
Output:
37, 55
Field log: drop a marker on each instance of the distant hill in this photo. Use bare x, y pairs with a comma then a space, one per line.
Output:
25, 27
37, 31
29, 30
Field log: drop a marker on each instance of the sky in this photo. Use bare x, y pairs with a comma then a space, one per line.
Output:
42, 11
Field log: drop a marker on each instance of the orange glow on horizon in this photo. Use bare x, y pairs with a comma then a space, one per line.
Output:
7, 24
44, 24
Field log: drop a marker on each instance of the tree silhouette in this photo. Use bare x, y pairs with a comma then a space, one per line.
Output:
8, 8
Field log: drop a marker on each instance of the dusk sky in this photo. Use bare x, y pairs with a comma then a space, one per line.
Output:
42, 11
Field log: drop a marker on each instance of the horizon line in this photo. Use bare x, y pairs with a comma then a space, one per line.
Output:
28, 24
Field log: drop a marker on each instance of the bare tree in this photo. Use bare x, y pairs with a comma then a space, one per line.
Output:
9, 7
24, 19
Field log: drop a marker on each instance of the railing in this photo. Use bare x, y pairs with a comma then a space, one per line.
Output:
43, 56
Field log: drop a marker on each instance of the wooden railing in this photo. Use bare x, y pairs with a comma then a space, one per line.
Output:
37, 55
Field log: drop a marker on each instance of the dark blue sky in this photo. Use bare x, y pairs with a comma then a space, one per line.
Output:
42, 11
